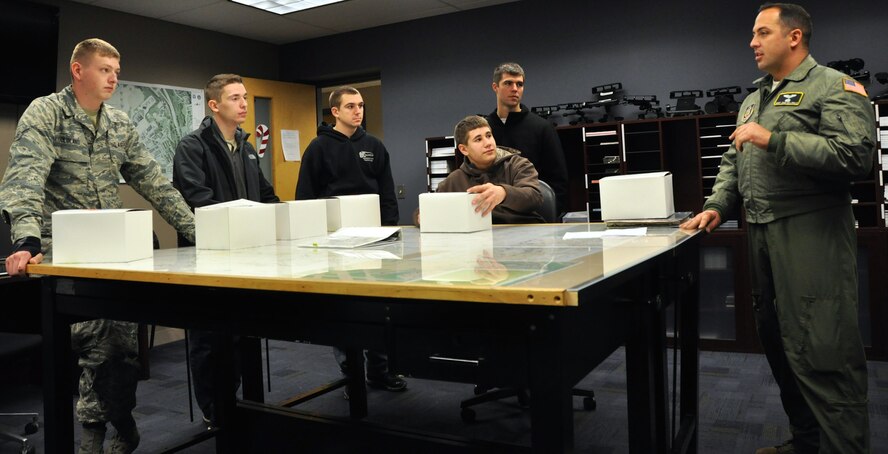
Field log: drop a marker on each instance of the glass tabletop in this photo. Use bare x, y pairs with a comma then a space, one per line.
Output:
532, 257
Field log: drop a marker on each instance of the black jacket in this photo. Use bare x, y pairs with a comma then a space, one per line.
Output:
537, 140
334, 165
203, 173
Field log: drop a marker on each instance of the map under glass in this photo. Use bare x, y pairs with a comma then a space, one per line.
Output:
162, 115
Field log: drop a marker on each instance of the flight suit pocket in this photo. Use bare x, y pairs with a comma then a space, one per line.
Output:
853, 126
821, 339
790, 122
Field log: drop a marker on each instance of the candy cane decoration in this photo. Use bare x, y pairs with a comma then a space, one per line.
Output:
262, 139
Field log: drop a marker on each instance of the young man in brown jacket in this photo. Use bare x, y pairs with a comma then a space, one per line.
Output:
506, 183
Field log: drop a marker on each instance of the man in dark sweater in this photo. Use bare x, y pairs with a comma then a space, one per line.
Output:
346, 160
515, 126
213, 164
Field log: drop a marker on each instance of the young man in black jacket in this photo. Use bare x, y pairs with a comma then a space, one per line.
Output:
515, 126
216, 163
346, 160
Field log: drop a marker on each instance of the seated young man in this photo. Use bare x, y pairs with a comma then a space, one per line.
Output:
506, 183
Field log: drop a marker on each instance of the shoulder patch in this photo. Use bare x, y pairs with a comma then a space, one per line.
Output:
748, 112
789, 98
852, 85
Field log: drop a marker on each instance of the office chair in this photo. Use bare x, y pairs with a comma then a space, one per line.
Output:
549, 212
17, 350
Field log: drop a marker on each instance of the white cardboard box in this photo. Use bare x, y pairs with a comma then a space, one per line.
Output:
98, 236
637, 196
301, 219
450, 212
353, 211
235, 225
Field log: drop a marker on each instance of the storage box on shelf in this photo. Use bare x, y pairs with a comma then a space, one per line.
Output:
441, 159
881, 166
642, 145
714, 139
604, 156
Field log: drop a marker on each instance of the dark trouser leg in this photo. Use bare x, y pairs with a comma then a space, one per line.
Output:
814, 268
201, 351
341, 359
377, 363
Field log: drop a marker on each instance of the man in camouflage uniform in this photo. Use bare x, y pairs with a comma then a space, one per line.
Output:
800, 140
69, 151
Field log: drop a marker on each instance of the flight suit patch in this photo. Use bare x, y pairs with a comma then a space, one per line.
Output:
854, 86
748, 112
789, 98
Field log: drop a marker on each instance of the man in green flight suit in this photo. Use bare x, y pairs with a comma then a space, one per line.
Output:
801, 139
70, 150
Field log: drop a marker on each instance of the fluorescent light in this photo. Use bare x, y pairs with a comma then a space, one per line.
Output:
285, 6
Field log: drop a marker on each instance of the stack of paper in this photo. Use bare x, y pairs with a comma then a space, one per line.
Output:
352, 237
439, 167
441, 152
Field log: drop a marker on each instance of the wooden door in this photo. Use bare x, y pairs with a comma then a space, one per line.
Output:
293, 107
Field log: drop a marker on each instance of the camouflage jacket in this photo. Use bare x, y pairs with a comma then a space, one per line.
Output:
60, 160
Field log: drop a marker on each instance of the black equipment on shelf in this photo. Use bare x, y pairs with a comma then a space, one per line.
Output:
722, 100
648, 105
852, 67
685, 103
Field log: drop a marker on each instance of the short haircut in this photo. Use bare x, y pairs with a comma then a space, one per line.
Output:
467, 125
84, 50
217, 83
793, 17
511, 68
336, 95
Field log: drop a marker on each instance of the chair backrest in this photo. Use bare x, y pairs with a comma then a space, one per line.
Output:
549, 209
5, 244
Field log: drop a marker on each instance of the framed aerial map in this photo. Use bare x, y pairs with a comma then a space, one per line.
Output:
162, 115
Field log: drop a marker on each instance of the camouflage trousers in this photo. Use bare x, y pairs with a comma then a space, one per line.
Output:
107, 350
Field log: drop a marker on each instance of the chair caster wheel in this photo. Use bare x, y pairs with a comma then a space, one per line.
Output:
467, 415
32, 427
589, 403
523, 398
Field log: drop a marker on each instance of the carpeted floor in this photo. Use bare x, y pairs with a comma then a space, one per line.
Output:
739, 403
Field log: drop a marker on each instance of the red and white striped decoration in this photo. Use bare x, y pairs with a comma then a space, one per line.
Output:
261, 139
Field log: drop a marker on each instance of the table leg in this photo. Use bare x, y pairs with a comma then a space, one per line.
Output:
58, 409
551, 402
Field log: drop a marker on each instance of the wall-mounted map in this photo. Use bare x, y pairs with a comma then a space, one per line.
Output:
162, 114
